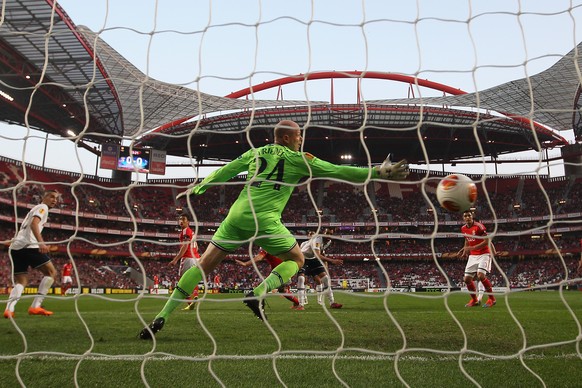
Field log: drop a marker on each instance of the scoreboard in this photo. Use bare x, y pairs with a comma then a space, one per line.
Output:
133, 159
124, 158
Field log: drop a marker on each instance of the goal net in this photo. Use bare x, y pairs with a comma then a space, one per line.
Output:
121, 106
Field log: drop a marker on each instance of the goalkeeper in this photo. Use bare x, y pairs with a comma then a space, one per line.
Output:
273, 172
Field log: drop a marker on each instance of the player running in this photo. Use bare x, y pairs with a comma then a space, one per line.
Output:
479, 262
274, 170
28, 249
314, 258
273, 261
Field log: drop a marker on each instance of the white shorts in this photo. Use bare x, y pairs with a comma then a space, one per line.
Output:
185, 264
67, 279
478, 263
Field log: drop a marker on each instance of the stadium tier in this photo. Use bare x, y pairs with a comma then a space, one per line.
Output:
99, 224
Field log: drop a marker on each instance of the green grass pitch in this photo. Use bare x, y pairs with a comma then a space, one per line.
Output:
529, 339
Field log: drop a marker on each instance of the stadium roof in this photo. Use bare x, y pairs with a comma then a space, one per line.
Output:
122, 101
79, 67
547, 97
160, 102
417, 132
61, 65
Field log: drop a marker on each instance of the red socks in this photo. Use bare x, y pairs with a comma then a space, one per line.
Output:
488, 288
471, 287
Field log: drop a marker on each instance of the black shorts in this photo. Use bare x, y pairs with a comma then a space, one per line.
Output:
312, 267
27, 257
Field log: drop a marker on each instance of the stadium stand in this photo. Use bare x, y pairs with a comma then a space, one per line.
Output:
100, 228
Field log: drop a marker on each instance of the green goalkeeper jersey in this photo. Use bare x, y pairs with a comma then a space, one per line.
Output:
273, 172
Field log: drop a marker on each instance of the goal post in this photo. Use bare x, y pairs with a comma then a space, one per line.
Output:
350, 284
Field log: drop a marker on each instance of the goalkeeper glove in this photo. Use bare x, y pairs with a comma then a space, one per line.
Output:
396, 171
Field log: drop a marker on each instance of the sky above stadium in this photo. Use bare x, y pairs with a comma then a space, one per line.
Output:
221, 46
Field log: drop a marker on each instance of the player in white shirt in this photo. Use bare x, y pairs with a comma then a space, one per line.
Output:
314, 258
28, 249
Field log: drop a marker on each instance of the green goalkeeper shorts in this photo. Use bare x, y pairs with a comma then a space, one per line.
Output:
275, 238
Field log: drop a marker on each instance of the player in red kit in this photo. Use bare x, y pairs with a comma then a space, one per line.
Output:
156, 285
477, 249
66, 278
217, 282
273, 262
188, 253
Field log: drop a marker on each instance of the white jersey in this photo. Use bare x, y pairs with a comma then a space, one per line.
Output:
25, 238
310, 246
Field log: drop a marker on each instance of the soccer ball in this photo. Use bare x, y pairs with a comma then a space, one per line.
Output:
456, 193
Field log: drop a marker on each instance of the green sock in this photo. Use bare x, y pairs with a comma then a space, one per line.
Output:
278, 276
184, 289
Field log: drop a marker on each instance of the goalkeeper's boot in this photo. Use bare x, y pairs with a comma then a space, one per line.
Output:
256, 306
473, 303
149, 332
8, 314
490, 303
335, 305
39, 311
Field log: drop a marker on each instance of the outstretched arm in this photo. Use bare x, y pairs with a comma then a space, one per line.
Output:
180, 253
324, 258
223, 174
482, 244
464, 252
387, 170
493, 250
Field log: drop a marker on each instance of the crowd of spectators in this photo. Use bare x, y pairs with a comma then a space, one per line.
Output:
94, 272
105, 224
335, 202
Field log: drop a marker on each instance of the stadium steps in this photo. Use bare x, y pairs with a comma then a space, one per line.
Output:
320, 193
511, 269
133, 274
567, 190
370, 188
519, 190
383, 280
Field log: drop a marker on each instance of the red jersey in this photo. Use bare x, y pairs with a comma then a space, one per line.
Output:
67, 269
156, 279
192, 250
272, 260
477, 229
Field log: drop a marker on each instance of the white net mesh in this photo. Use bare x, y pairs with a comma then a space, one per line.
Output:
154, 75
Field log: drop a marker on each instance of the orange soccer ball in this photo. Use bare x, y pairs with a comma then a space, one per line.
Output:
456, 193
